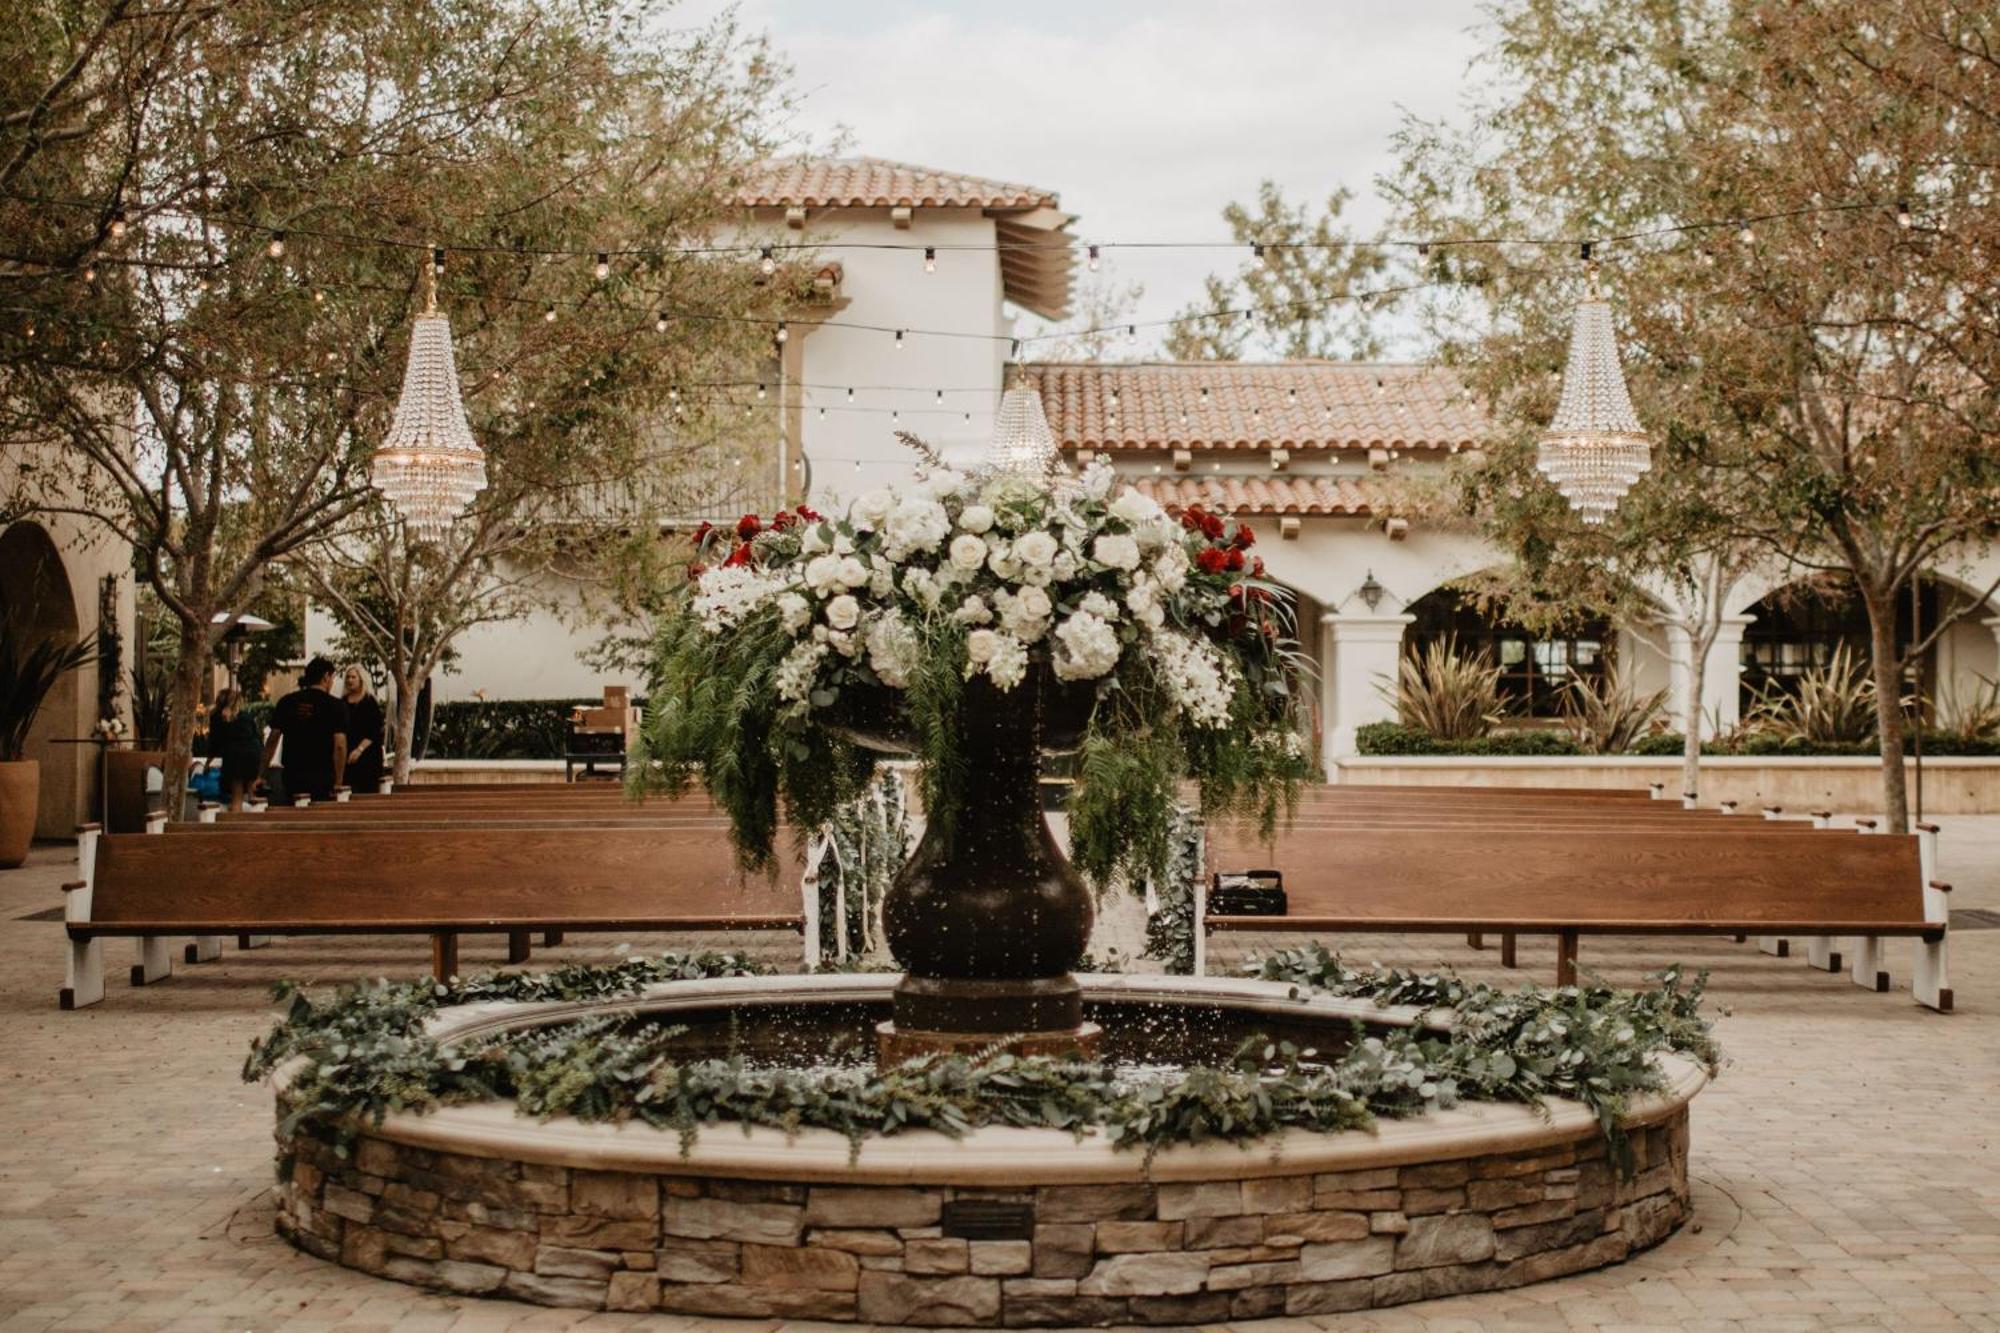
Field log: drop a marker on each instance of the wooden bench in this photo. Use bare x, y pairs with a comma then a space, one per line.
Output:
1410, 877
355, 881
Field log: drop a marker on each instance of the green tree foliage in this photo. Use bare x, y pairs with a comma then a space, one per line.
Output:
216, 218
1296, 289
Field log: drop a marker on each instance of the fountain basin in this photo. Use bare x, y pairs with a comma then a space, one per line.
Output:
1005, 1226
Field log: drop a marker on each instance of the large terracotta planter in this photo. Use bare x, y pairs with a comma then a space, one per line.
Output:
20, 793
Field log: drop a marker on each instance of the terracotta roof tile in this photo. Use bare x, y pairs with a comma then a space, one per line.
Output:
1300, 405
1260, 495
873, 182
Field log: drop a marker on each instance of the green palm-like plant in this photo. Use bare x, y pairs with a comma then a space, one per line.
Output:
1608, 715
1452, 696
1828, 705
29, 669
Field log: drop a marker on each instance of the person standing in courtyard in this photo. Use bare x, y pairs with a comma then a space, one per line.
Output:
233, 738
312, 723
364, 734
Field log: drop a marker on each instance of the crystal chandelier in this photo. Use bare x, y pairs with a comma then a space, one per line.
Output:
1595, 448
1022, 441
429, 467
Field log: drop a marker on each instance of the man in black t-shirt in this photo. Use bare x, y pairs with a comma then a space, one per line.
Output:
312, 722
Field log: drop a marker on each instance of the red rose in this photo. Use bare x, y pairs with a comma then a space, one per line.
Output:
1211, 527
695, 570
738, 557
782, 520
1212, 560
809, 515
1257, 566
1245, 539
1234, 560
1192, 517
701, 533
748, 526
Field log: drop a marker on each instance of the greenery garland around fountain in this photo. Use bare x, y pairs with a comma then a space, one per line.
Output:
366, 1053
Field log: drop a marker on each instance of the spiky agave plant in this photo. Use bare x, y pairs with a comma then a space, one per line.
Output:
1454, 696
30, 666
1608, 715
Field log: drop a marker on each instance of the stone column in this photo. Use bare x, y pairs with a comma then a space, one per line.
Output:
1720, 694
1358, 673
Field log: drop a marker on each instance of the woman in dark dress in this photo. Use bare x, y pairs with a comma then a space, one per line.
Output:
364, 735
236, 739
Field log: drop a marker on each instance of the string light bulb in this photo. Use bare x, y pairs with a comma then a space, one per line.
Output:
603, 269
276, 249
760, 393
1091, 262
549, 315
783, 332
1131, 333
1746, 234
660, 322
930, 259
767, 263
437, 260
1904, 218
118, 224
899, 340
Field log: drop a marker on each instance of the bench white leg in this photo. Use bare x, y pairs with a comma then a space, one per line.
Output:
1200, 926
83, 980
1772, 944
203, 949
252, 941
154, 960
1820, 951
1930, 977
1869, 967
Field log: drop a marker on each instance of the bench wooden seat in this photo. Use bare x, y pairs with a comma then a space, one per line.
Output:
398, 882
1757, 881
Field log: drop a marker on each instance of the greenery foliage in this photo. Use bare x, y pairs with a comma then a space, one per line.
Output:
29, 668
1395, 738
1170, 922
861, 851
1451, 695
501, 728
1608, 715
365, 1054
1830, 704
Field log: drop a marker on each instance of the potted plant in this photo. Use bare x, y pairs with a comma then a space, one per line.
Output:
29, 669
977, 622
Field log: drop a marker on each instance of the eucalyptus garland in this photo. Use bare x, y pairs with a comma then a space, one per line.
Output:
366, 1054
1170, 900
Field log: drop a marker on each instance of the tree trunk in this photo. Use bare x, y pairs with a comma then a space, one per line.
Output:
1691, 714
1888, 708
407, 693
183, 698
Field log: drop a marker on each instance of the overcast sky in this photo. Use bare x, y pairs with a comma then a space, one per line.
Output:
1146, 116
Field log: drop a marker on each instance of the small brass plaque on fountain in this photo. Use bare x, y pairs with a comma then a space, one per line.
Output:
988, 1219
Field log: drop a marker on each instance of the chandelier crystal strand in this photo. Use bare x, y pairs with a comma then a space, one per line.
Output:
1594, 449
429, 467
1022, 441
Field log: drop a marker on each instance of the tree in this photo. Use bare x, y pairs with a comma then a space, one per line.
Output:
1296, 286
286, 171
1789, 205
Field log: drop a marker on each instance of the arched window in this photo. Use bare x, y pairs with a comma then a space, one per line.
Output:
1533, 668
1801, 626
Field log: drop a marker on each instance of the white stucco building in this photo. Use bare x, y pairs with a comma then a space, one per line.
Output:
1302, 450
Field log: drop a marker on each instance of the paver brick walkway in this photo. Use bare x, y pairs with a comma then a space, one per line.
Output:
1846, 1165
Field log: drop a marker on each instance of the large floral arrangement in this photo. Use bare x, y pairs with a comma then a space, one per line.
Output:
1002, 581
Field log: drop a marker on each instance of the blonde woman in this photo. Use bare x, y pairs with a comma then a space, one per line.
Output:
364, 734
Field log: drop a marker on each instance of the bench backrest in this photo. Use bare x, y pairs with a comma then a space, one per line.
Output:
361, 877
1643, 881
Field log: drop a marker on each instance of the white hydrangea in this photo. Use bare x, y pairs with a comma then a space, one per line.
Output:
795, 675
968, 552
1098, 479
941, 482
922, 587
1098, 605
795, 612
894, 649
728, 595
844, 643
1143, 600
980, 645
1135, 507
1035, 549
918, 523
1197, 676
881, 576
1064, 566
973, 611
1159, 532
1025, 615
976, 519
1171, 568
1009, 666
1087, 647
871, 509
843, 612
1115, 550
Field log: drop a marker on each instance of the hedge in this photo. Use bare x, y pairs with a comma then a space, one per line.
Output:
1395, 738
501, 728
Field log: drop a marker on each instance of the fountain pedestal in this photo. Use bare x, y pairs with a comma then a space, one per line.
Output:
988, 917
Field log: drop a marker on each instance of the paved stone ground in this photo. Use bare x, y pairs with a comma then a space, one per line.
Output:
1847, 1169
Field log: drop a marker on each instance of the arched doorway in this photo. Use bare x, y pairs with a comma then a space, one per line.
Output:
1533, 667
1801, 626
36, 601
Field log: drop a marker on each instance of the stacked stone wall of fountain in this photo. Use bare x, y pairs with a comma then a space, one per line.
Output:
1137, 1252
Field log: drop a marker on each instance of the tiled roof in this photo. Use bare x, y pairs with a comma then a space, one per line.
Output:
1260, 495
873, 182
1235, 405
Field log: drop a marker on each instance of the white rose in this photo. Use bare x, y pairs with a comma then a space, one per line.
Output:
1035, 548
852, 572
847, 645
968, 552
1135, 507
1064, 566
1098, 605
941, 483
812, 541
1035, 603
1009, 666
823, 574
843, 612
871, 509
1004, 564
1116, 551
976, 518
1098, 479
980, 645
973, 611
795, 611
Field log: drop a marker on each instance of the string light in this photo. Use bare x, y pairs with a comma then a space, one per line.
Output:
1131, 333
660, 324
549, 315
1091, 260
1256, 249
760, 393
899, 340
1746, 234
118, 224
783, 332
603, 269
1903, 216
767, 263
437, 260
276, 249
930, 259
